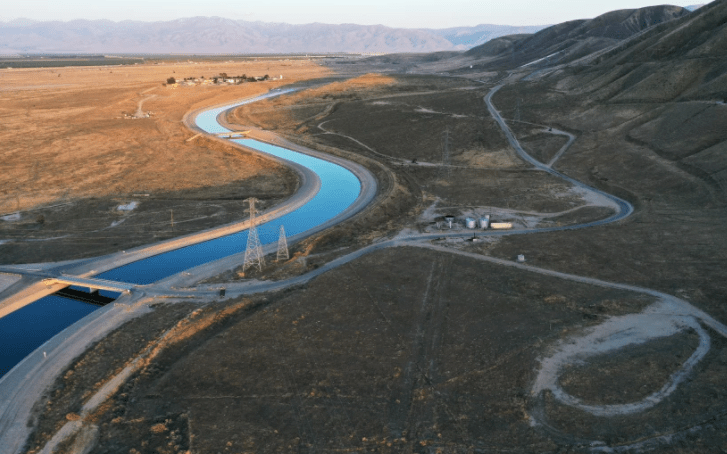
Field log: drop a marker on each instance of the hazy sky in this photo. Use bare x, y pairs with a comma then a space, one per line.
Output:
393, 13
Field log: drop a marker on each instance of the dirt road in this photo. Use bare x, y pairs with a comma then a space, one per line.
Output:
667, 316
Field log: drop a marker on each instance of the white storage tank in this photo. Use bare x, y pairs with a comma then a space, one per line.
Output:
485, 222
470, 223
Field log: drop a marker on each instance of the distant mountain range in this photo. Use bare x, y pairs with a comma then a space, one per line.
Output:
216, 35
220, 35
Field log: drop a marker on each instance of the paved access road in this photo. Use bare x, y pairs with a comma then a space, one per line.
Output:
19, 394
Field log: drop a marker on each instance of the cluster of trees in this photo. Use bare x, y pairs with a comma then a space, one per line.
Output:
224, 76
173, 80
240, 79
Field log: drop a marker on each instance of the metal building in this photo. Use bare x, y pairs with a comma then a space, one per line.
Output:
501, 225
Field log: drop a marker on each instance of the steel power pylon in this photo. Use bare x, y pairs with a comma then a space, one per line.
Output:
282, 246
254, 251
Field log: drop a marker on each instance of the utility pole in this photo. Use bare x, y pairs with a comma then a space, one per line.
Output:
172, 211
254, 250
282, 246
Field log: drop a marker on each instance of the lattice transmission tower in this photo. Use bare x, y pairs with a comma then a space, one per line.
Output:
254, 251
282, 246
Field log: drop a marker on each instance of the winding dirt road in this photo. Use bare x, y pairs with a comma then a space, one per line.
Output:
669, 315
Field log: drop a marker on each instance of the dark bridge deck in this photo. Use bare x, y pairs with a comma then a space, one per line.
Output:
84, 297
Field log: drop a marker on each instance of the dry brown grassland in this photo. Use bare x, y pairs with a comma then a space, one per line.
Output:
65, 140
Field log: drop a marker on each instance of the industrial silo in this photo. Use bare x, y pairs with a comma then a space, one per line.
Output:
485, 221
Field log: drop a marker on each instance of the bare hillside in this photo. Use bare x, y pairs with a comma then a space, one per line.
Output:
561, 43
678, 72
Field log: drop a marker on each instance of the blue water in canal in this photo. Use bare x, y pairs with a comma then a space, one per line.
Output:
339, 189
26, 329
23, 331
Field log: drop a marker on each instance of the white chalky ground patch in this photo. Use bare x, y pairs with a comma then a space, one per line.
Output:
11, 217
592, 197
430, 111
430, 214
665, 318
128, 207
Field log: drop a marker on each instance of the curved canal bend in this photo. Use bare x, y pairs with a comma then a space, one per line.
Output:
343, 189
339, 189
624, 209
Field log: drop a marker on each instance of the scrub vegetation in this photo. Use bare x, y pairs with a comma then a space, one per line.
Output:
444, 345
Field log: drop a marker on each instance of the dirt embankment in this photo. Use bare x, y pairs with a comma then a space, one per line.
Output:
72, 154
